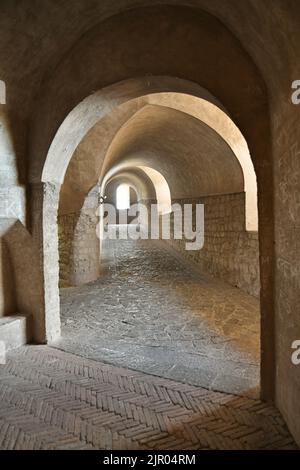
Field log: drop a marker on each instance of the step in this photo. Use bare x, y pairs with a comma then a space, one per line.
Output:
13, 331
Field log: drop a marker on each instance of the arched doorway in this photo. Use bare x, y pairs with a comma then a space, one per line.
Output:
260, 151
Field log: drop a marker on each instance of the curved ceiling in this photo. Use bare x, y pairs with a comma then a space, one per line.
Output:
73, 20
175, 41
87, 162
193, 158
35, 81
99, 106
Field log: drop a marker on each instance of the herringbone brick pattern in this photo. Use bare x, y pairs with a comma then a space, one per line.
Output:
50, 399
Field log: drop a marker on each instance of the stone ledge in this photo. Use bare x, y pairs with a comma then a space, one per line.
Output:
14, 331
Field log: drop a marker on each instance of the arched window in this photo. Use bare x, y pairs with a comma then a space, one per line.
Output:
123, 197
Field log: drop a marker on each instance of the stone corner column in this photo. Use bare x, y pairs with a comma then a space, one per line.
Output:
45, 198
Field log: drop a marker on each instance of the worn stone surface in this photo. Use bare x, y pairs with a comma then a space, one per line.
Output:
153, 312
53, 400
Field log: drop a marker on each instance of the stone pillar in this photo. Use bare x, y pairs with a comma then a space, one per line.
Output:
45, 197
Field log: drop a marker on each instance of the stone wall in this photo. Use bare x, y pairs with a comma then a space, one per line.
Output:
287, 248
7, 282
66, 228
229, 252
21, 275
79, 246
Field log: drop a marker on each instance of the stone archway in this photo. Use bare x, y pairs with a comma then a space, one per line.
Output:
64, 144
52, 189
246, 104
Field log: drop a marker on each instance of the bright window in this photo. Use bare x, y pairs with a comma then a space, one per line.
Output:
123, 197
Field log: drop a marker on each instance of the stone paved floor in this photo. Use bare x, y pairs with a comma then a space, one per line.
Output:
153, 312
50, 399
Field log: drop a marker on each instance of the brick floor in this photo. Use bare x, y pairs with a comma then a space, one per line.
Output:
50, 399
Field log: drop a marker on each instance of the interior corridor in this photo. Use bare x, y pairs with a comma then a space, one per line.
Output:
153, 311
179, 118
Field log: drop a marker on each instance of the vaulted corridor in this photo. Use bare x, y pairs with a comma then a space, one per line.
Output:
177, 122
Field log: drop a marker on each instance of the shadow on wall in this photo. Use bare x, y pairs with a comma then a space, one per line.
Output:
7, 282
21, 288
12, 139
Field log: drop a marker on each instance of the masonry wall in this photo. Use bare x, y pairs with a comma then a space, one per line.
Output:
7, 282
229, 252
66, 228
79, 246
287, 248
